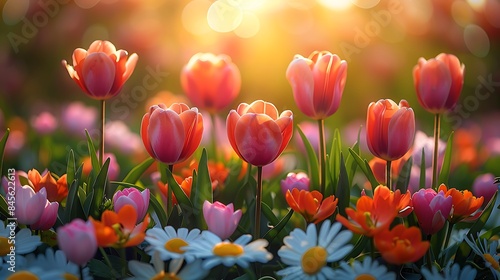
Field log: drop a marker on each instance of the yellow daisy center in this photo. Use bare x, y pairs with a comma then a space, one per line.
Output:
365, 277
68, 276
22, 275
4, 246
489, 258
175, 245
163, 276
228, 250
313, 260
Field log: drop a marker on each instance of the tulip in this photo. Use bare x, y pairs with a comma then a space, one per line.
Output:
172, 134
438, 82
221, 220
101, 70
390, 129
401, 245
317, 83
292, 181
48, 217
132, 196
311, 204
484, 185
465, 205
76, 117
211, 81
257, 133
78, 241
56, 190
29, 205
432, 209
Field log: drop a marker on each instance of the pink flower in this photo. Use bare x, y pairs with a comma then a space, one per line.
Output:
438, 82
222, 220
317, 83
48, 218
132, 196
292, 181
45, 123
29, 205
76, 117
432, 209
101, 70
484, 186
78, 241
311, 131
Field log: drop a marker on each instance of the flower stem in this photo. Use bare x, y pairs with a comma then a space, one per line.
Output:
388, 175
258, 202
81, 271
437, 128
106, 259
322, 156
213, 116
103, 117
428, 254
449, 229
372, 247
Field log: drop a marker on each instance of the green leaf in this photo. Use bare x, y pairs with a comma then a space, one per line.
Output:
360, 245
74, 207
421, 183
312, 161
404, 176
70, 167
272, 233
135, 174
445, 169
334, 169
350, 164
98, 188
202, 191
343, 193
365, 167
159, 210
182, 199
93, 155
3, 142
4, 208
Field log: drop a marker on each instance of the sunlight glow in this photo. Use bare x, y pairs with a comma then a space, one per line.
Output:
336, 4
477, 5
194, 17
249, 27
224, 15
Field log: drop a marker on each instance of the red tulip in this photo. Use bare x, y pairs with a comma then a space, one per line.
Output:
318, 83
211, 82
101, 70
257, 133
438, 82
171, 135
390, 129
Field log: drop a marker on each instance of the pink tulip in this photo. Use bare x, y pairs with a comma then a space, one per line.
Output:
101, 70
257, 133
132, 196
29, 205
78, 241
484, 186
76, 117
45, 123
172, 134
211, 81
431, 209
48, 218
390, 128
221, 220
438, 82
317, 83
292, 181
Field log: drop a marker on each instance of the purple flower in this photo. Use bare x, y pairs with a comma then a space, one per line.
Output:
292, 181
132, 196
431, 209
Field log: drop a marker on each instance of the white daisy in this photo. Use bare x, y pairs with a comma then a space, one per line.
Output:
367, 269
214, 251
22, 240
141, 271
169, 243
488, 252
307, 253
450, 273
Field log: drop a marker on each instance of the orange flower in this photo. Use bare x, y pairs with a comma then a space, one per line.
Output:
185, 185
403, 201
372, 215
401, 245
464, 205
217, 170
56, 190
311, 204
119, 229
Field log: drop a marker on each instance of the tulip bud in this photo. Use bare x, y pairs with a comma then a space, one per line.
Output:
221, 220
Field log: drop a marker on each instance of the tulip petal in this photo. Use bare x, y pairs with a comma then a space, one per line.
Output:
166, 135
145, 135
401, 133
434, 86
98, 74
300, 77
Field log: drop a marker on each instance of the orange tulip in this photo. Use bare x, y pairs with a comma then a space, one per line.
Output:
401, 245
311, 204
119, 229
217, 170
438, 82
390, 129
172, 134
465, 205
185, 185
211, 82
257, 133
372, 215
56, 190
403, 201
101, 70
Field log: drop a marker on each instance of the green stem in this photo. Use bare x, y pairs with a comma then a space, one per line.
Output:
449, 229
103, 117
213, 116
388, 175
372, 246
428, 255
322, 156
437, 128
105, 256
258, 202
81, 271
170, 201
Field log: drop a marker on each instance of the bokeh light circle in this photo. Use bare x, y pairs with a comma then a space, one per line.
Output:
249, 27
86, 4
224, 16
476, 40
365, 4
194, 17
336, 5
14, 11
492, 12
462, 13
